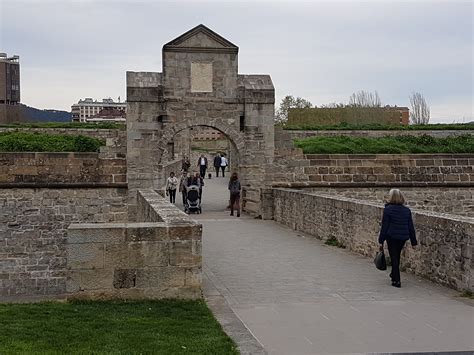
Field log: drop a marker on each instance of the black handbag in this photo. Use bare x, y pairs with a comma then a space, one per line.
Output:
379, 261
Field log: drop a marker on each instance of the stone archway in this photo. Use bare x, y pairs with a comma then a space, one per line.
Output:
235, 137
199, 86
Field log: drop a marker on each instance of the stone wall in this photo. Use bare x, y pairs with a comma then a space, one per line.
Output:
60, 168
157, 257
452, 200
445, 247
33, 225
402, 169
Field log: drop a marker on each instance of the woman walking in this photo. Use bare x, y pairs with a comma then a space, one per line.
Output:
234, 188
397, 228
171, 185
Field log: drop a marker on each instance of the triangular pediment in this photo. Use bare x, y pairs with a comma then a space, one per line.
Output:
201, 38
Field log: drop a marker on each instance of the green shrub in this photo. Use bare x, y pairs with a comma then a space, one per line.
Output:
104, 125
334, 242
386, 145
41, 142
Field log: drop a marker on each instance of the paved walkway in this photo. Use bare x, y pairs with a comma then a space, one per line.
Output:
299, 296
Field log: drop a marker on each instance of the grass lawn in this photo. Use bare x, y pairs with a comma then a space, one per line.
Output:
386, 145
145, 327
378, 127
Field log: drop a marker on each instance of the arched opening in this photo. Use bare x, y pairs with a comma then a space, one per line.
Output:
195, 141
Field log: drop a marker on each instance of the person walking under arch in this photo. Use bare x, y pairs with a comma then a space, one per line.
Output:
183, 183
171, 185
202, 165
224, 164
234, 188
397, 228
217, 164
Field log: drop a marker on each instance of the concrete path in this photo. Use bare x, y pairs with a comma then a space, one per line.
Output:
299, 296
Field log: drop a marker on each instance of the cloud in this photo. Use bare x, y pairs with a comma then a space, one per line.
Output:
323, 51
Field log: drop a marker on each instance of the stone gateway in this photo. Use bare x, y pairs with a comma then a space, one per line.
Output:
199, 86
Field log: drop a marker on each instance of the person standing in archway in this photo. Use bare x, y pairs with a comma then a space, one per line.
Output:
202, 164
185, 164
234, 188
224, 164
217, 164
171, 185
183, 183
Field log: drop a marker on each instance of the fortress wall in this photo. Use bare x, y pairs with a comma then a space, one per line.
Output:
33, 225
445, 241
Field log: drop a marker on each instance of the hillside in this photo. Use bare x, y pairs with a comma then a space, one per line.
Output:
30, 114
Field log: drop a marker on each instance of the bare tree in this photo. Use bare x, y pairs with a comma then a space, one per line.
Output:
290, 102
365, 99
420, 111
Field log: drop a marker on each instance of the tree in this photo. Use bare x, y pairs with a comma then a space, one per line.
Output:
420, 111
365, 99
290, 102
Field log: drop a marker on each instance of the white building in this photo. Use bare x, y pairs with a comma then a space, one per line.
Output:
88, 108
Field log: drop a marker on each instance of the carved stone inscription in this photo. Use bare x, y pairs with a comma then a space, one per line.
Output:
201, 77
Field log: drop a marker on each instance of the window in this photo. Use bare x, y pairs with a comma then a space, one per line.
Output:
242, 123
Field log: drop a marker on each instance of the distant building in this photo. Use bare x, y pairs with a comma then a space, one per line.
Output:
207, 134
10, 110
88, 108
108, 114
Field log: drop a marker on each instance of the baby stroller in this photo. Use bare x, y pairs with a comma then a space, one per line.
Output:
193, 203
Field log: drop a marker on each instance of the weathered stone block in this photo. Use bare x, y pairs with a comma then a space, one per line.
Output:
161, 277
148, 254
125, 278
85, 256
186, 253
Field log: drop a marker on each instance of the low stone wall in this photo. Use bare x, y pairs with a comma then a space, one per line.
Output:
402, 169
285, 138
60, 168
33, 224
452, 200
157, 257
445, 247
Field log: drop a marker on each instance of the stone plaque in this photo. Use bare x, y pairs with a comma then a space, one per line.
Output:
201, 77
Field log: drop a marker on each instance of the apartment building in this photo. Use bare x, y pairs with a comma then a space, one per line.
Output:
10, 110
86, 109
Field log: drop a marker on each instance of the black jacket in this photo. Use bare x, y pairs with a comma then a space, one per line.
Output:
397, 223
217, 161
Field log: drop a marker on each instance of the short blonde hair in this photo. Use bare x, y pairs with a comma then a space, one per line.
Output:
395, 196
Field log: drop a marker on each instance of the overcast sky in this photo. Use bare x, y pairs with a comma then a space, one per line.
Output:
322, 51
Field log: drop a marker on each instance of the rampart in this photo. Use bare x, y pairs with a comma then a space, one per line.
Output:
159, 256
446, 241
453, 200
33, 224
402, 169
49, 169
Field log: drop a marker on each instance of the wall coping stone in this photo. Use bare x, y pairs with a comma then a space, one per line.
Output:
379, 205
309, 184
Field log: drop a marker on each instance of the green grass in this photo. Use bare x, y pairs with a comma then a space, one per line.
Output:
334, 242
105, 125
42, 142
147, 327
379, 127
386, 145
468, 294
